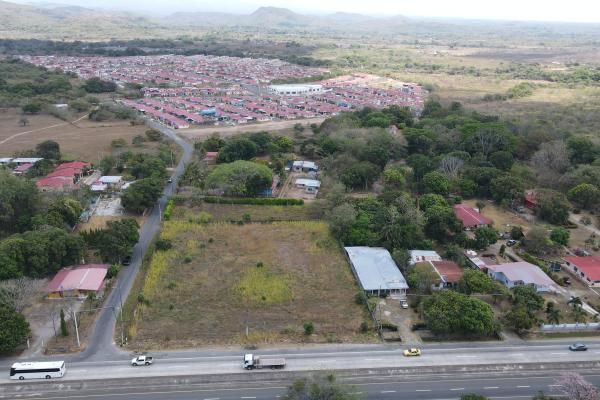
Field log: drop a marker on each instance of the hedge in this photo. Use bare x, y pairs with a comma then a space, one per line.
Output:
168, 210
266, 201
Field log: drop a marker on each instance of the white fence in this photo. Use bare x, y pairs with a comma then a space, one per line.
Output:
571, 327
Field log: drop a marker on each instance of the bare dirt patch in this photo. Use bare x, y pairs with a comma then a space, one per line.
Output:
192, 296
226, 131
83, 140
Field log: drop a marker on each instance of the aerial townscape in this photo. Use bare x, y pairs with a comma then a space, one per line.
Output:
336, 201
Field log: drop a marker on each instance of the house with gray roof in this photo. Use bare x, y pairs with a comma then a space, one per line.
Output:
376, 271
522, 273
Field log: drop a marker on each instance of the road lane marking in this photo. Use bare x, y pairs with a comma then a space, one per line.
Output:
213, 398
466, 356
423, 390
558, 354
388, 391
523, 386
248, 397
491, 387
373, 359
457, 389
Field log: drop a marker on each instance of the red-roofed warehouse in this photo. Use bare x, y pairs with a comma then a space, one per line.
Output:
586, 268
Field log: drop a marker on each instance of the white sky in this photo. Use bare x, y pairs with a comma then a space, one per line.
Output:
530, 10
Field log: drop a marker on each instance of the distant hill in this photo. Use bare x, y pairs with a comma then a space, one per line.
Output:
69, 22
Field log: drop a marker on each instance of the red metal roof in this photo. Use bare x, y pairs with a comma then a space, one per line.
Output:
79, 277
469, 216
56, 181
449, 270
589, 265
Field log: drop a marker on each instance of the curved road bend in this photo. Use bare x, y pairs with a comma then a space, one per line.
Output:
101, 342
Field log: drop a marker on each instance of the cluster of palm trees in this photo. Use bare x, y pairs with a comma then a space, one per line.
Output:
553, 314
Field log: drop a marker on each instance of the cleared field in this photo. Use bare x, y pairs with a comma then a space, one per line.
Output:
83, 140
220, 279
237, 212
225, 131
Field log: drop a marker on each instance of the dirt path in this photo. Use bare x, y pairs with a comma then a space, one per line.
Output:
576, 218
225, 131
41, 129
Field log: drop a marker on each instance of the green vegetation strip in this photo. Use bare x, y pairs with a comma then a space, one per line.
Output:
254, 201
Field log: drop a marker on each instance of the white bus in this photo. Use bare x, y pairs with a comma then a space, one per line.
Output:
37, 370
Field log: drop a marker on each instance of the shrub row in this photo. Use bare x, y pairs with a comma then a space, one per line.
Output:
169, 209
267, 201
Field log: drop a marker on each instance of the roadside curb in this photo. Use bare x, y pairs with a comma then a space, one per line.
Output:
258, 376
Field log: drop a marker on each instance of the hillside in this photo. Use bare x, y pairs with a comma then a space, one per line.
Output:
67, 22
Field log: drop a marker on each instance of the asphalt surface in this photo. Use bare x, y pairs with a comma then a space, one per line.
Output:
521, 386
101, 344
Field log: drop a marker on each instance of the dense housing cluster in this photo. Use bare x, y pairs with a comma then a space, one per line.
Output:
181, 91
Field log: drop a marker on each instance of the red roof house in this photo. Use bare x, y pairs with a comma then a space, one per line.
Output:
448, 271
470, 217
56, 183
586, 268
78, 281
530, 200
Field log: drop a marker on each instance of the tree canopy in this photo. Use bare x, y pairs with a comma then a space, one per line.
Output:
240, 178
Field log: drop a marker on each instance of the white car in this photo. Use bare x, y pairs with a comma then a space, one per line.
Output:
403, 303
141, 360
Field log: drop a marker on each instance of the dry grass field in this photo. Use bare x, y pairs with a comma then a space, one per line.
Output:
220, 278
83, 140
229, 212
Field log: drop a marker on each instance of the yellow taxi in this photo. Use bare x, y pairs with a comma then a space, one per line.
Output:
414, 352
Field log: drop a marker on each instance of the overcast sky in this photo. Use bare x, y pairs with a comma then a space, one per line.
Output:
530, 10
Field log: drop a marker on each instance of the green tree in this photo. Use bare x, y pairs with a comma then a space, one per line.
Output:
448, 312
309, 328
537, 242
582, 149
48, 149
507, 189
552, 206
441, 223
474, 281
584, 195
320, 388
431, 199
116, 241
240, 148
519, 319
421, 277
19, 202
14, 329
435, 182
97, 85
485, 236
32, 108
107, 163
240, 178
502, 160
560, 236
64, 331
360, 175
141, 195
528, 297
394, 177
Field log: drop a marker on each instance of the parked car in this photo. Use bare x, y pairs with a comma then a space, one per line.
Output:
170, 180
566, 281
511, 242
126, 261
578, 347
413, 352
403, 303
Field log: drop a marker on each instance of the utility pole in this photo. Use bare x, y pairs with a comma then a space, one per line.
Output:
76, 328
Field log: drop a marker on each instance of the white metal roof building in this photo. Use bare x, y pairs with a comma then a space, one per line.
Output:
297, 89
26, 160
376, 271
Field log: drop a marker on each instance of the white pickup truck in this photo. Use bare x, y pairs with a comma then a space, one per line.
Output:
141, 360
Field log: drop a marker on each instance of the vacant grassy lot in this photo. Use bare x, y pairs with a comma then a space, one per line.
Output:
237, 212
83, 140
220, 278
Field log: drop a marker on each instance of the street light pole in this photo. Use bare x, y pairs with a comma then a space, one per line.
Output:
76, 327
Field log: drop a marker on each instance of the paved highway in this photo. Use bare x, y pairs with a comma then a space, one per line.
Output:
410, 388
323, 358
